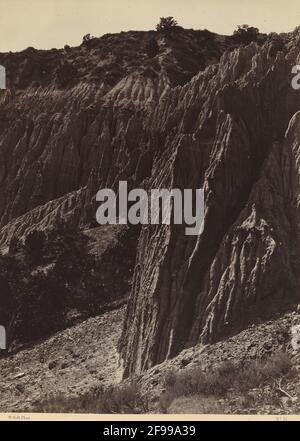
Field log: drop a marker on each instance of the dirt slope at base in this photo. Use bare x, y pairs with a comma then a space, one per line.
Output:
72, 362
68, 363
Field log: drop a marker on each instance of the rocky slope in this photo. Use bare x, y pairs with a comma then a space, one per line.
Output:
68, 364
58, 278
186, 109
64, 373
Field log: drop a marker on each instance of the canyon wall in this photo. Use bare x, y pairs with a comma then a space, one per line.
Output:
205, 111
232, 130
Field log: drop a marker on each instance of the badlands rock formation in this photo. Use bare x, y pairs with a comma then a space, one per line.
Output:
233, 130
74, 120
205, 111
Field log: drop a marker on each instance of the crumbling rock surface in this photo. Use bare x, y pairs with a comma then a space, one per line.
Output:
235, 134
73, 120
204, 112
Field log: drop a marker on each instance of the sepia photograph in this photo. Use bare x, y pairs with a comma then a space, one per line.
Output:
150, 210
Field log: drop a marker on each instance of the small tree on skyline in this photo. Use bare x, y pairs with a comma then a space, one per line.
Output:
86, 38
166, 24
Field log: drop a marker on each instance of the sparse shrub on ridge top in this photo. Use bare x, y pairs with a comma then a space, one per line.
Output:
166, 24
246, 34
86, 38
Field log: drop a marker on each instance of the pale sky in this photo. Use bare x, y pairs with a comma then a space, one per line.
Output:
46, 24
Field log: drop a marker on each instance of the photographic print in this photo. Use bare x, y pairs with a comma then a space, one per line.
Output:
150, 208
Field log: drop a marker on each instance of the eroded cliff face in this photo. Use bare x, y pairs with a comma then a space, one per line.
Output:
203, 112
232, 130
73, 121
